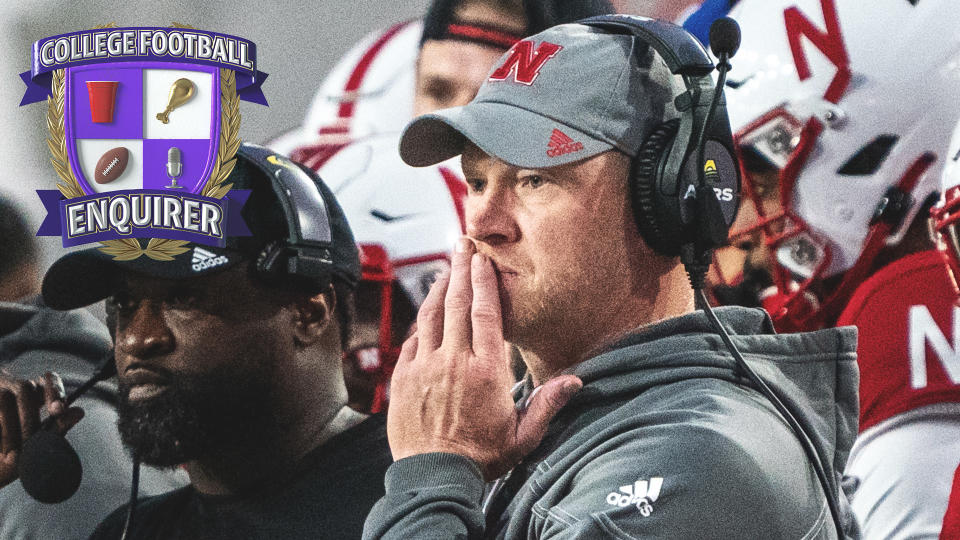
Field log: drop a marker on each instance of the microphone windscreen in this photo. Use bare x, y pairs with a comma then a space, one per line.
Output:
724, 37
49, 467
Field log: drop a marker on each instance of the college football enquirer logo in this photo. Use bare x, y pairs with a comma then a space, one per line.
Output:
144, 127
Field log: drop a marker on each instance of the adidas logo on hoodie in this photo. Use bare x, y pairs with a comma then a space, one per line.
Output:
642, 494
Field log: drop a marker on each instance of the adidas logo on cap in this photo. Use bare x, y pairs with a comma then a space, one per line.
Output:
203, 259
561, 143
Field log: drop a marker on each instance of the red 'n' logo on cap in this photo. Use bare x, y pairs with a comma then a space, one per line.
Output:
524, 62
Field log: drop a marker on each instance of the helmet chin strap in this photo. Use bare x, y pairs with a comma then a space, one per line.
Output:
796, 314
385, 341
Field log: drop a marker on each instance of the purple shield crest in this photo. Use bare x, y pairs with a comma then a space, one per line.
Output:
142, 125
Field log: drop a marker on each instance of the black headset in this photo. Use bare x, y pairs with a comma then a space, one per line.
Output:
306, 251
666, 180
685, 180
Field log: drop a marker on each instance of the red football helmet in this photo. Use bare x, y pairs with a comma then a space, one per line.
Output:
842, 130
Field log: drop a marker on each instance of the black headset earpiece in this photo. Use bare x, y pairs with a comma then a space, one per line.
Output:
648, 212
666, 178
305, 253
685, 184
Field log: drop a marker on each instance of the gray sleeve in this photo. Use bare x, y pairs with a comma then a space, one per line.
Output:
695, 484
434, 495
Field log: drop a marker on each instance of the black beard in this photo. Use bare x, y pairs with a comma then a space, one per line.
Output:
222, 417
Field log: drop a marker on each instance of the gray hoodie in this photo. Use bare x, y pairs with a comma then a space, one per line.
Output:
663, 441
35, 339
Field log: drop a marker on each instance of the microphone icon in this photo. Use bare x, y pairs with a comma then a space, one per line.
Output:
174, 167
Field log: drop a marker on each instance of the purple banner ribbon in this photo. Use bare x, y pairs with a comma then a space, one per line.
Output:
142, 44
143, 214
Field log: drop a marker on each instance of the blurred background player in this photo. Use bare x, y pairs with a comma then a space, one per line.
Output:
405, 219
35, 339
944, 224
415, 67
844, 133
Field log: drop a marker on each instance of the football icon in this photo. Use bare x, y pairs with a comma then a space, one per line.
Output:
111, 165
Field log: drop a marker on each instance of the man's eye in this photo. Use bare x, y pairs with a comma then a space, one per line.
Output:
183, 299
123, 301
476, 184
533, 181
439, 91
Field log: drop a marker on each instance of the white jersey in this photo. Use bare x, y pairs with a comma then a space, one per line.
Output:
904, 466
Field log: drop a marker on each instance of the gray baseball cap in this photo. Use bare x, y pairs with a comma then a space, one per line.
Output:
560, 96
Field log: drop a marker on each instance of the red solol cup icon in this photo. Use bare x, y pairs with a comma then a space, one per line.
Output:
102, 97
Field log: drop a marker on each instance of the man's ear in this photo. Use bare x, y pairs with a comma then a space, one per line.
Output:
314, 315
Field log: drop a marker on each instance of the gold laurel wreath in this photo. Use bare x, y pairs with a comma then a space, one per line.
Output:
158, 249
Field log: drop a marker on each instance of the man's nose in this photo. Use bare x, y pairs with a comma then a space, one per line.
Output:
759, 255
145, 333
490, 218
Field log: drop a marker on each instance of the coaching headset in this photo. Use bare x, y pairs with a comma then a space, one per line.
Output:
685, 180
672, 200
306, 251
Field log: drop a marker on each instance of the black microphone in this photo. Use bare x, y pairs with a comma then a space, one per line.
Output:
712, 230
724, 37
724, 42
49, 467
